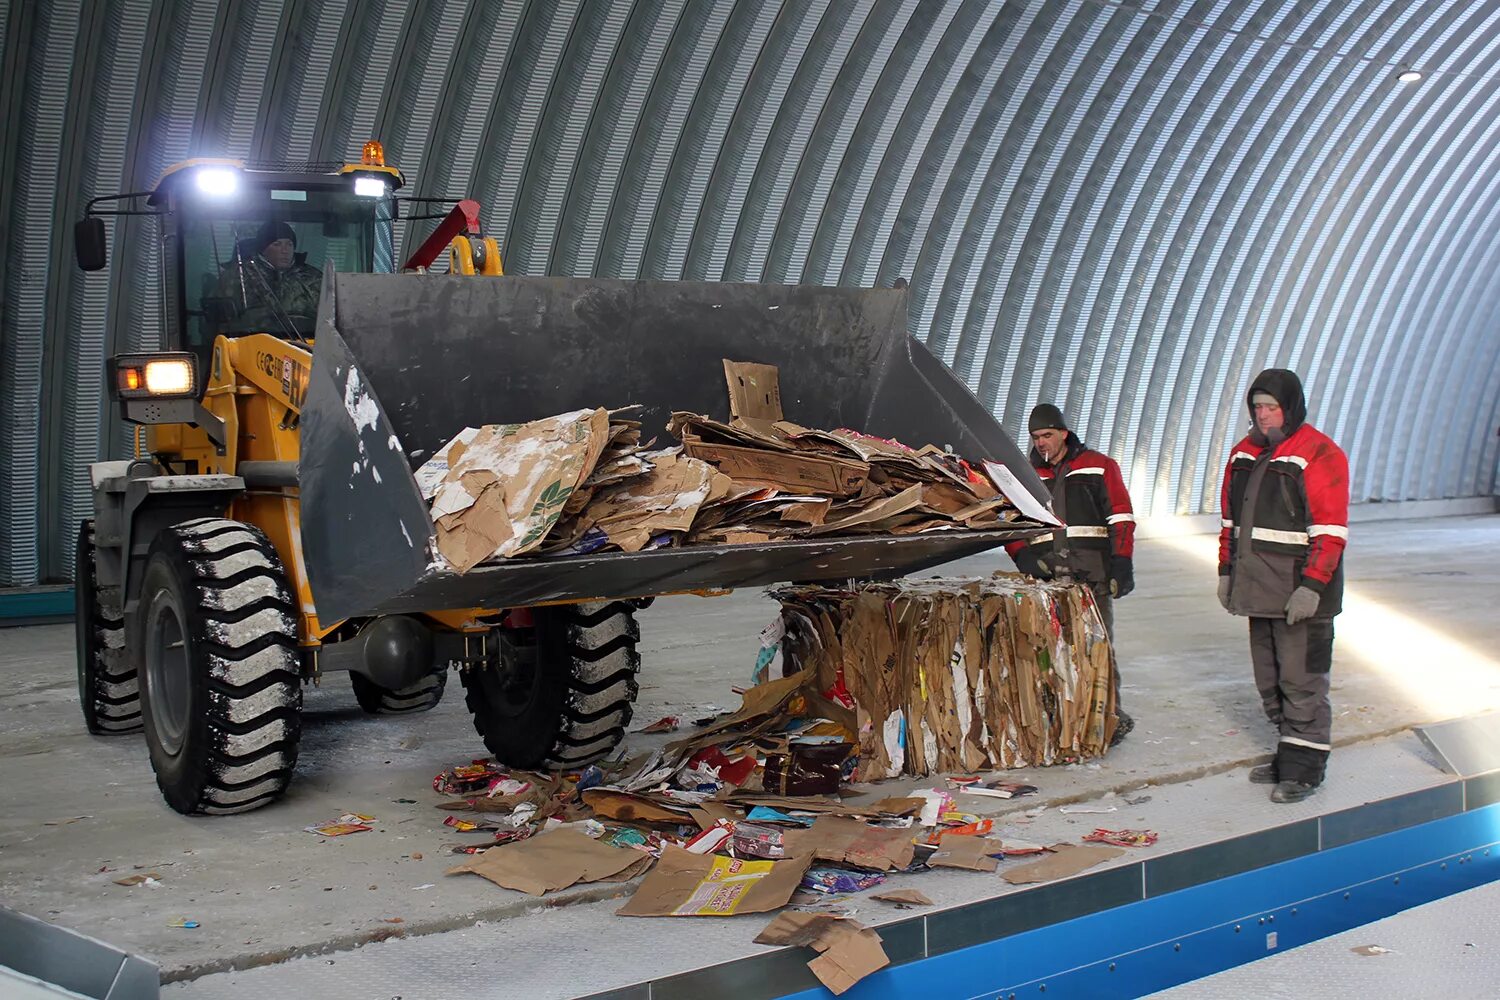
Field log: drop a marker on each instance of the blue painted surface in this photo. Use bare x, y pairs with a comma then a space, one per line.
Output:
1159, 942
40, 603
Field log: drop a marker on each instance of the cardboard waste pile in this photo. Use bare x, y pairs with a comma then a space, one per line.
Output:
753, 812
958, 675
585, 482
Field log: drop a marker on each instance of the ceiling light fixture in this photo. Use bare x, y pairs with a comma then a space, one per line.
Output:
1409, 76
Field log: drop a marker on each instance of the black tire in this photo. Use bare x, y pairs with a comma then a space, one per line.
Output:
108, 690
567, 691
215, 633
419, 697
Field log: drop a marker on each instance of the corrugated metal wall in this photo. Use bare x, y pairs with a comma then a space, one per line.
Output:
1127, 207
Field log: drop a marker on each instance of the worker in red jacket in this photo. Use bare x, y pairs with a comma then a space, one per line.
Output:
1098, 544
1285, 510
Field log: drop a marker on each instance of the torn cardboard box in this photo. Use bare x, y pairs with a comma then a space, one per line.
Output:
846, 840
550, 861
684, 884
1065, 861
507, 486
848, 951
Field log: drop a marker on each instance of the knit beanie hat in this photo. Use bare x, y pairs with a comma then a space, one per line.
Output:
1046, 417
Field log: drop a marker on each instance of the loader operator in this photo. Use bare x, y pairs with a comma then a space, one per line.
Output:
269, 288
1096, 547
1285, 505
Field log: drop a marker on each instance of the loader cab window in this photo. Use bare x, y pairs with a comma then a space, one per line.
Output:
256, 265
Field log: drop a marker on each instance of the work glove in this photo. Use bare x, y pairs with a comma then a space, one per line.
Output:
1033, 563
1224, 585
1121, 576
1302, 605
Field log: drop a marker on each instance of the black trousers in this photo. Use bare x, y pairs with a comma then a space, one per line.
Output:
1292, 664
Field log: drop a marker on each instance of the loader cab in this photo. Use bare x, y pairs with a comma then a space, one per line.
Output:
217, 218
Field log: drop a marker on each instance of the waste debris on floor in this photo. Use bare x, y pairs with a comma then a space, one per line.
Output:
759, 810
585, 481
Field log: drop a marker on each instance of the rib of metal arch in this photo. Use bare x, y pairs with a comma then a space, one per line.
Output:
690, 185
782, 44
1424, 472
1359, 157
790, 136
375, 36
1025, 261
904, 251
799, 45
1391, 414
308, 64
1202, 215
1148, 178
432, 32
696, 42
1210, 161
613, 127
1295, 166
45, 80
1417, 241
1481, 373
867, 256
1045, 378
1440, 41
1058, 377
830, 135
999, 187
1217, 218
1221, 208
930, 265
991, 178
1138, 167
1165, 182
104, 132
890, 99
1385, 267
470, 90
552, 165
1448, 116
1359, 371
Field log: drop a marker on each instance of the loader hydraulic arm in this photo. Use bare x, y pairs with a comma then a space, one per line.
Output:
464, 217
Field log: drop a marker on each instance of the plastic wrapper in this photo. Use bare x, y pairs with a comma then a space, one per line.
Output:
757, 840
837, 880
467, 778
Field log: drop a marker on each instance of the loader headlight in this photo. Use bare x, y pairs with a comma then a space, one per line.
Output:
217, 182
369, 187
156, 376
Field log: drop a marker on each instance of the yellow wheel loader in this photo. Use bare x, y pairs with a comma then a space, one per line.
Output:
270, 528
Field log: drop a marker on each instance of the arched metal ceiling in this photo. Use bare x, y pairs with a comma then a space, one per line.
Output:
1127, 207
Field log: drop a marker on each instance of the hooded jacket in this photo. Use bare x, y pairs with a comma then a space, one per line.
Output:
1089, 496
1285, 510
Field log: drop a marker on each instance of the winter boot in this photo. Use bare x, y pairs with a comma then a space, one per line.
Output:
1123, 725
1291, 791
1264, 774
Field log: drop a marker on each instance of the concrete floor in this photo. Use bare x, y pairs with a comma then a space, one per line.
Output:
1417, 643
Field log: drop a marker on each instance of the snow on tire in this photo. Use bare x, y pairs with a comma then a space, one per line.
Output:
108, 689
215, 633
570, 703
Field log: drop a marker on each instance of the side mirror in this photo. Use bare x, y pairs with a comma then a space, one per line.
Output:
88, 243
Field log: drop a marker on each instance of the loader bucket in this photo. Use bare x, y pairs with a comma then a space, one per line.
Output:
403, 362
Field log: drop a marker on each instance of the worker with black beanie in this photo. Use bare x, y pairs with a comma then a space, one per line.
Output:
1097, 545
